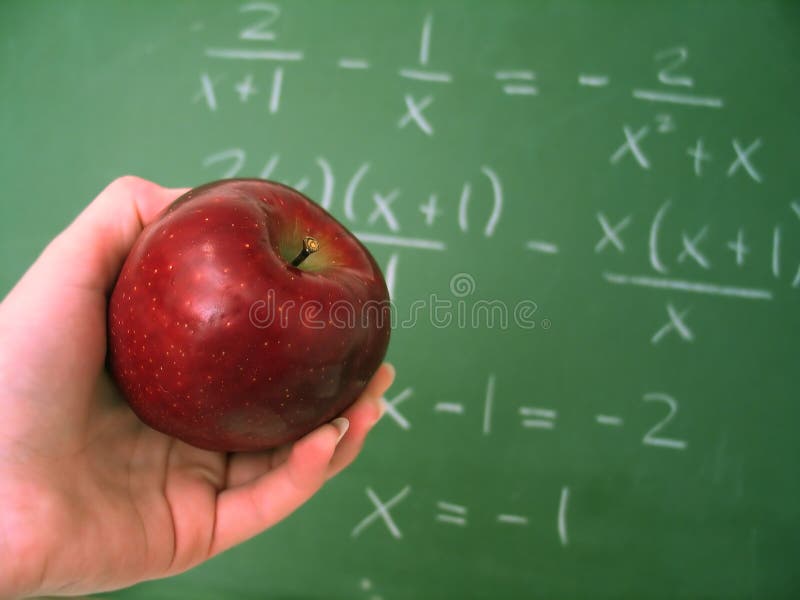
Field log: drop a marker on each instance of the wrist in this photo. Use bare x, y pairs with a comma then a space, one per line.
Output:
16, 575
23, 534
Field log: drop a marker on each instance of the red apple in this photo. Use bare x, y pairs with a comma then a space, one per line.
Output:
245, 316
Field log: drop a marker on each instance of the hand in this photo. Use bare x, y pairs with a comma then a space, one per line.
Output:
91, 499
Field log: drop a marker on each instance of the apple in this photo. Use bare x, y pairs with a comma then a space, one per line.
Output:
245, 316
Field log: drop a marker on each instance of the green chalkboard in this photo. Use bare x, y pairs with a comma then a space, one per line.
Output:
604, 197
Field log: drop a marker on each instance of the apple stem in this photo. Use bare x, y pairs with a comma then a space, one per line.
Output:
310, 245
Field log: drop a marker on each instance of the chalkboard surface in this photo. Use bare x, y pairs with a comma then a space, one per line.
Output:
602, 200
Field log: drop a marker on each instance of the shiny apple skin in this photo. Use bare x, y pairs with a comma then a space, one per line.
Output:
190, 342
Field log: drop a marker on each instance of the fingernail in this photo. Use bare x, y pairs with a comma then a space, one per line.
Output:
392, 371
382, 401
381, 408
342, 425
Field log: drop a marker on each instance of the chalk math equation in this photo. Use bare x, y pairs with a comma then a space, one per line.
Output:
685, 257
448, 513
545, 418
367, 207
256, 42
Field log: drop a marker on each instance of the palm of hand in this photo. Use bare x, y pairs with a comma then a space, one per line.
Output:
94, 499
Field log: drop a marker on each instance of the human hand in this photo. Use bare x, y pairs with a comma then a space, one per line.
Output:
91, 499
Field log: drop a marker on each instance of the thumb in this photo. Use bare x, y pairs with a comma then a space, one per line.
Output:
53, 322
90, 252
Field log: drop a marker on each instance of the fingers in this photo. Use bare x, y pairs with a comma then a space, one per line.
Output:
264, 488
363, 415
248, 509
244, 467
90, 251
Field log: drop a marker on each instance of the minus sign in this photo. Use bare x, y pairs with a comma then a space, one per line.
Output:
449, 407
609, 420
544, 247
593, 80
353, 63
512, 519
520, 90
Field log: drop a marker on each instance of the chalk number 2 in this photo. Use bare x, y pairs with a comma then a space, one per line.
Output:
673, 58
259, 30
654, 436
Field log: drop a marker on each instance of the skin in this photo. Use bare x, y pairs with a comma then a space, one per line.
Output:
92, 498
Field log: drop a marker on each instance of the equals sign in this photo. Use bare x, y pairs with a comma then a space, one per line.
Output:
517, 83
453, 514
537, 418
